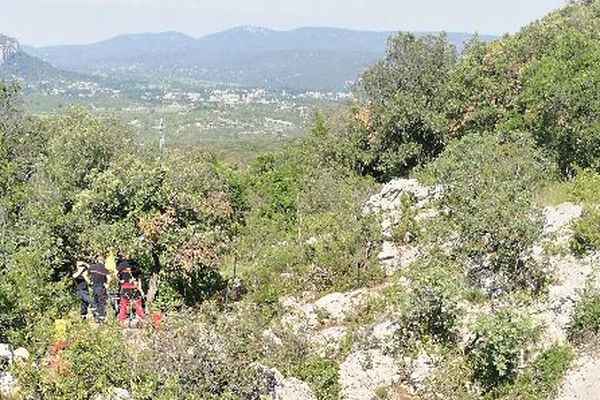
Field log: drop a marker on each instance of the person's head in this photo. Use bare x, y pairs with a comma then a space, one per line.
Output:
101, 257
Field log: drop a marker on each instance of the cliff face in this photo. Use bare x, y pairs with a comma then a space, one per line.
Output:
8, 48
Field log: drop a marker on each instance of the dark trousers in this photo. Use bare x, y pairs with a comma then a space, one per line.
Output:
85, 300
100, 297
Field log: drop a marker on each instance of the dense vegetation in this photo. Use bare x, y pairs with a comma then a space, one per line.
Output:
496, 128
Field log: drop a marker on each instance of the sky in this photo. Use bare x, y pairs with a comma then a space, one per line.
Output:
52, 22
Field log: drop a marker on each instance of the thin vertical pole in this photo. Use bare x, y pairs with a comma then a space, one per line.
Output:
162, 143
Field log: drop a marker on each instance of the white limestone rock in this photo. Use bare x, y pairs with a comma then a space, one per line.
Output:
337, 305
8, 385
363, 372
280, 388
20, 354
270, 338
389, 198
114, 394
582, 382
327, 342
6, 354
560, 216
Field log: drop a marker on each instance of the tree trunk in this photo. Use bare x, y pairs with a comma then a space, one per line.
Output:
154, 280
152, 288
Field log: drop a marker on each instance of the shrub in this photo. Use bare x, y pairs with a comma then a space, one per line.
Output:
541, 379
585, 319
542, 80
431, 309
319, 240
92, 362
587, 231
406, 225
400, 122
586, 187
321, 374
559, 102
489, 182
502, 339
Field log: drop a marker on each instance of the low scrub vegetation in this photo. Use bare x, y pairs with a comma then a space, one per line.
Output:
221, 247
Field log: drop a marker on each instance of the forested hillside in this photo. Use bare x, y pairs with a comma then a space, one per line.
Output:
438, 238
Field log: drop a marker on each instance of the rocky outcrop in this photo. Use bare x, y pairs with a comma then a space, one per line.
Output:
332, 308
114, 394
388, 204
280, 388
390, 196
560, 216
364, 372
571, 274
8, 355
583, 380
8, 385
8, 48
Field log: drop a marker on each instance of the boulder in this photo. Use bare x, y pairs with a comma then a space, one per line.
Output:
337, 305
572, 275
384, 331
6, 355
8, 385
114, 394
20, 354
294, 389
280, 388
421, 369
364, 372
390, 196
326, 342
271, 339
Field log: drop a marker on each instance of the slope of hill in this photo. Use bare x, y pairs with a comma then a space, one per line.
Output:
120, 51
250, 56
32, 72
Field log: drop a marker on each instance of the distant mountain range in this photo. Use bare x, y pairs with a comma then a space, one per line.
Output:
300, 59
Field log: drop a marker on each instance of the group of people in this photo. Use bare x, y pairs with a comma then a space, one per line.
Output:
127, 276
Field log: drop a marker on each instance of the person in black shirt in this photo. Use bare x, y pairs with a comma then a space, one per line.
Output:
100, 278
81, 283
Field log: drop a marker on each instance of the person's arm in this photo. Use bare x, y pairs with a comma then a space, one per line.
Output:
108, 280
80, 269
77, 272
86, 276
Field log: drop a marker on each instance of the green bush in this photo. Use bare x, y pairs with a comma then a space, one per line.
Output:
400, 122
585, 320
585, 187
559, 102
93, 361
322, 375
541, 379
489, 183
542, 79
431, 308
501, 339
305, 229
586, 229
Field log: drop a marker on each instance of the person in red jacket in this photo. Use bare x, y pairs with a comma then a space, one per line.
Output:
131, 288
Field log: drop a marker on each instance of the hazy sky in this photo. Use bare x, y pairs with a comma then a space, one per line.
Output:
46, 22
